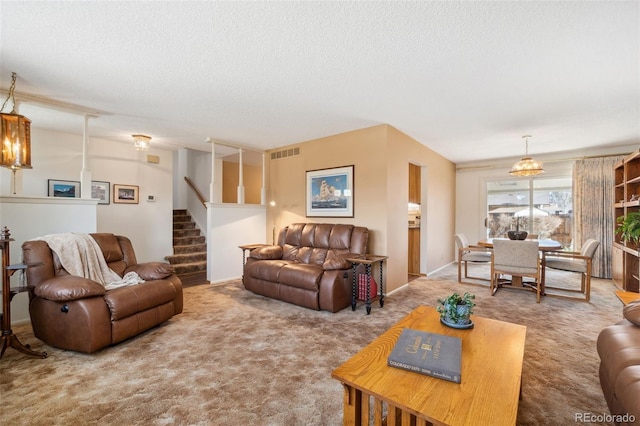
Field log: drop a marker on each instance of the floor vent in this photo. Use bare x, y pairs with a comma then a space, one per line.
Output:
290, 152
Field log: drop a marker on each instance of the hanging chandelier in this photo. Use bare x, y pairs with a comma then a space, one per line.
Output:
141, 142
527, 166
15, 135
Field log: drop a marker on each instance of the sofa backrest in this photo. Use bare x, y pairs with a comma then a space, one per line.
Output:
117, 250
316, 242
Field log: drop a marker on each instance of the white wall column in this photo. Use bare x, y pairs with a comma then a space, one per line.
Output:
263, 190
212, 185
240, 179
85, 173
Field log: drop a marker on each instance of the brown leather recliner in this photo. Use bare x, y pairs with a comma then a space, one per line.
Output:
308, 266
619, 350
76, 313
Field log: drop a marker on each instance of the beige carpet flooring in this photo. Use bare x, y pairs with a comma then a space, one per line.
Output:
237, 358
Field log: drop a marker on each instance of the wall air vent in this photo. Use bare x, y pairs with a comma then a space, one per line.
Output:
290, 152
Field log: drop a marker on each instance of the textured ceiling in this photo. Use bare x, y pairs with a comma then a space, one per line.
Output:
467, 79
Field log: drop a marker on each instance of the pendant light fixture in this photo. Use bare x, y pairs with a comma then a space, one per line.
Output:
527, 166
15, 137
141, 142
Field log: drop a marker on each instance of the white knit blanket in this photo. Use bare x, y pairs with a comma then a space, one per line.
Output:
80, 255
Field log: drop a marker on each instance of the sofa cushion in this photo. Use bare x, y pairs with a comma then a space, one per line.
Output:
126, 301
301, 275
340, 237
631, 312
267, 270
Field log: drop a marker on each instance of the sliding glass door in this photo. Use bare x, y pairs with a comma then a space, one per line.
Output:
541, 206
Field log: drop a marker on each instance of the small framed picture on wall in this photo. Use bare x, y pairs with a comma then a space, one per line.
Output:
126, 194
64, 188
102, 191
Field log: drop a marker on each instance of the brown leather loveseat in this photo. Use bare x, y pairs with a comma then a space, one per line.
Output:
619, 349
76, 313
307, 267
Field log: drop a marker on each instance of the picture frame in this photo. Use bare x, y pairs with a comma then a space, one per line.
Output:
63, 188
330, 192
101, 190
126, 194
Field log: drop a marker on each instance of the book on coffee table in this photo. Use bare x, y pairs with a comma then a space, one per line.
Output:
427, 353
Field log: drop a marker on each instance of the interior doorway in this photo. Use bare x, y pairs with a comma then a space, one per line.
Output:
414, 221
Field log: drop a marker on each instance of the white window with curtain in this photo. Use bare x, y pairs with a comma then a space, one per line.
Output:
542, 206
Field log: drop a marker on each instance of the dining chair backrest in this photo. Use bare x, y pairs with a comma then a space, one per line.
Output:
522, 255
461, 241
589, 247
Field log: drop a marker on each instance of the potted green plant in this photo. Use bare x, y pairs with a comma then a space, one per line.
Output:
629, 227
455, 310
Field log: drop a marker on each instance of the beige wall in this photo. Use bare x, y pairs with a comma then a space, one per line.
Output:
252, 181
381, 157
438, 200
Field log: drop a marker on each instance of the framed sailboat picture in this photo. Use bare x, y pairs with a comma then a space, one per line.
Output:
330, 192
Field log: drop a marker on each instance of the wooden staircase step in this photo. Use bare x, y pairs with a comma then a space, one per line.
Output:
186, 268
181, 218
176, 259
189, 258
190, 248
184, 241
193, 278
186, 233
184, 225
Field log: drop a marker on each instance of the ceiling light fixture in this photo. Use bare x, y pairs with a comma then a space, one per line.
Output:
141, 142
15, 135
527, 166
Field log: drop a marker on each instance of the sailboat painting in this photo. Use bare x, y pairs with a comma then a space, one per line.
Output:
330, 192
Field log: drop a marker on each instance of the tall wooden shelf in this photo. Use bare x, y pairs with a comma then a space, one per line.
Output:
626, 254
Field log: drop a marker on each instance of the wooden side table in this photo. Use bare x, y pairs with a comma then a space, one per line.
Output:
8, 338
627, 297
368, 260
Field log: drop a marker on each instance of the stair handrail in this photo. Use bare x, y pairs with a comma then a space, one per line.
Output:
195, 190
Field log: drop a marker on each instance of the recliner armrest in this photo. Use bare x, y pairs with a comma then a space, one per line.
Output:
152, 270
266, 253
339, 262
68, 287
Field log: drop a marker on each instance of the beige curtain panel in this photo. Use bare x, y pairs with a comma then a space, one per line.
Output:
593, 191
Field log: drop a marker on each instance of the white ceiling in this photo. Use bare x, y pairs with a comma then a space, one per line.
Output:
467, 79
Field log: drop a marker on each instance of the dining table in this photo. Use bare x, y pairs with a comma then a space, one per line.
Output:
544, 244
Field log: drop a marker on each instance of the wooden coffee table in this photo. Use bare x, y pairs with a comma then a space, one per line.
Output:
492, 354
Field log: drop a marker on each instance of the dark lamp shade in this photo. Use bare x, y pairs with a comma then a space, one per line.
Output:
16, 141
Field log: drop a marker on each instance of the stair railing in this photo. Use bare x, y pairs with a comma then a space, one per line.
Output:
195, 190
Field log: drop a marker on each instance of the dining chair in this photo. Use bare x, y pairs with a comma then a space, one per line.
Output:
518, 259
468, 253
572, 261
